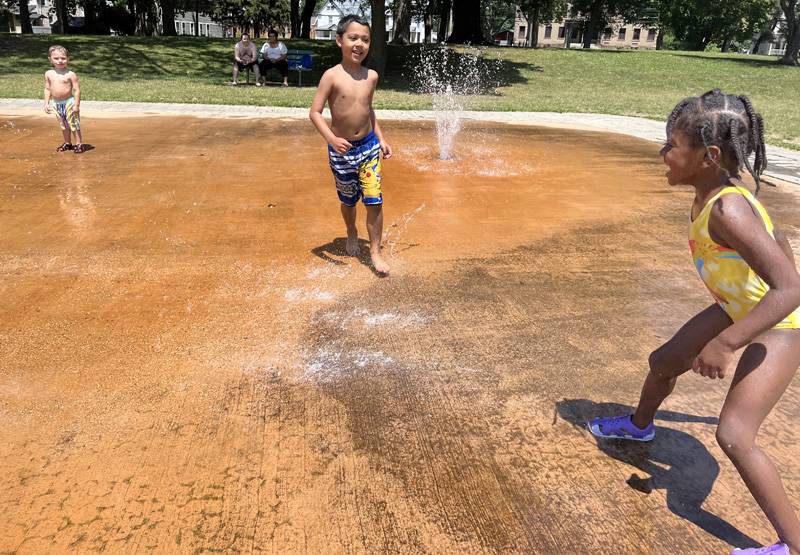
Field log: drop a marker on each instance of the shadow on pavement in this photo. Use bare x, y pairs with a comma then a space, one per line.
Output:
690, 469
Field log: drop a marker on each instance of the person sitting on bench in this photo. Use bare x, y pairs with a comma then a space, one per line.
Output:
244, 56
274, 56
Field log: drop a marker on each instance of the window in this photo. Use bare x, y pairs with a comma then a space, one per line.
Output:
191, 28
560, 32
607, 33
521, 33
651, 35
548, 31
621, 34
637, 33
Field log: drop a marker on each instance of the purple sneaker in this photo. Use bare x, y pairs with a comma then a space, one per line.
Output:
774, 549
620, 427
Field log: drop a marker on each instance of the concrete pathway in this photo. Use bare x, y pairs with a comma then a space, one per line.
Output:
783, 163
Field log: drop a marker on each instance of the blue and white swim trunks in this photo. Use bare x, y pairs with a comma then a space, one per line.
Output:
358, 171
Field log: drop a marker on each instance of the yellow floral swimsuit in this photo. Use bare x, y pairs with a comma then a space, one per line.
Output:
729, 279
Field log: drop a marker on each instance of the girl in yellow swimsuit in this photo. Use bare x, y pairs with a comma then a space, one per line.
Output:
748, 267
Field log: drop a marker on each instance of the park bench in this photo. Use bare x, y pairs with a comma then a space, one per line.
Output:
300, 61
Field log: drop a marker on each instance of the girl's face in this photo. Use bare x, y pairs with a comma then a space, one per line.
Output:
685, 162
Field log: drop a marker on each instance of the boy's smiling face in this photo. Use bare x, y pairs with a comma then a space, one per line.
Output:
354, 43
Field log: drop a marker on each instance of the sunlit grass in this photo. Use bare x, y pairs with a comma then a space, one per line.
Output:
195, 70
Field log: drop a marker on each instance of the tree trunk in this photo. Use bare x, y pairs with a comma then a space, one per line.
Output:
466, 22
533, 27
62, 17
402, 22
294, 16
168, 18
428, 24
197, 18
305, 19
25, 18
793, 33
726, 45
377, 50
660, 39
592, 23
444, 20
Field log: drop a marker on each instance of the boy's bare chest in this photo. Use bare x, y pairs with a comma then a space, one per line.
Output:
353, 93
60, 79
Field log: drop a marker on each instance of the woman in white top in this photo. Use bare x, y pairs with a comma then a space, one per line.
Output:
274, 56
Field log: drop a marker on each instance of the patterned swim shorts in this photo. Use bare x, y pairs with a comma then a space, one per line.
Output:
358, 171
65, 113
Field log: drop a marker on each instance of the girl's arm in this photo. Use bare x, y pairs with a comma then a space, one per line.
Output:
734, 221
76, 91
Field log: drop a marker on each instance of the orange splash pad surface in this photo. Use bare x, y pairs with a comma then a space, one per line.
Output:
190, 363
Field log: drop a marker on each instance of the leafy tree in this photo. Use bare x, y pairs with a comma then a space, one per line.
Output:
698, 23
257, 15
791, 10
497, 16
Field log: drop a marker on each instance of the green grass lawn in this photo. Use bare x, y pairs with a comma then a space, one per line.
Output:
195, 70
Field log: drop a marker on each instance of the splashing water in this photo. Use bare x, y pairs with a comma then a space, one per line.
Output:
391, 236
448, 76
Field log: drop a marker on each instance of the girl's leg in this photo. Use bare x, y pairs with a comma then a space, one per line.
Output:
764, 372
674, 358
67, 134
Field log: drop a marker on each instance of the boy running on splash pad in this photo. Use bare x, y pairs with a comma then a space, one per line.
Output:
355, 141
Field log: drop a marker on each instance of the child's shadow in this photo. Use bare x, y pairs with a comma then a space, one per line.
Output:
337, 248
690, 469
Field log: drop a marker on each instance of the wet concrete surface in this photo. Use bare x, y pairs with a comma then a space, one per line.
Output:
188, 362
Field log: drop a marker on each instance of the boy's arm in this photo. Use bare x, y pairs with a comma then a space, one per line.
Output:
236, 53
315, 114
46, 93
76, 91
385, 147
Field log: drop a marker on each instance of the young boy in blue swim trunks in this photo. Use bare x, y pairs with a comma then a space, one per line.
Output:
355, 141
62, 96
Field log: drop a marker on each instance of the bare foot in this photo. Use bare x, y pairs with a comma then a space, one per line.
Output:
379, 263
351, 247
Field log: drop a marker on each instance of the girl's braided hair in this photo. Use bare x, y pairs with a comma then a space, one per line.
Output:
728, 122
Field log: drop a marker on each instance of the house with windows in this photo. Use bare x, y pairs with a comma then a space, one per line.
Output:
185, 22
327, 16
568, 33
775, 45
42, 14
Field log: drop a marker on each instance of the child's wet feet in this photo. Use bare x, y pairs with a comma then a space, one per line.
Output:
774, 549
379, 263
63, 147
351, 247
